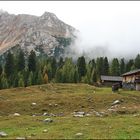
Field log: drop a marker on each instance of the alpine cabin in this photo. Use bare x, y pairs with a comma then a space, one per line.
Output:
110, 80
131, 80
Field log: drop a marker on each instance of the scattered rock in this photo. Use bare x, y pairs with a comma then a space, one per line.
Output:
116, 102
50, 104
124, 107
79, 134
78, 115
136, 115
114, 106
20, 138
45, 131
60, 114
55, 104
111, 110
86, 124
45, 114
97, 114
88, 115
16, 114
33, 104
3, 134
48, 120
52, 115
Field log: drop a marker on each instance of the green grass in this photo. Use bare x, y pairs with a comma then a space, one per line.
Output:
70, 97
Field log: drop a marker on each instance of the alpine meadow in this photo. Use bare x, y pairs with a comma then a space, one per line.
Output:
71, 76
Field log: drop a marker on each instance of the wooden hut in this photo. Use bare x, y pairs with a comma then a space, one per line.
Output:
110, 80
131, 80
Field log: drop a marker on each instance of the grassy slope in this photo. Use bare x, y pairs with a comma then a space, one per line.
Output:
69, 97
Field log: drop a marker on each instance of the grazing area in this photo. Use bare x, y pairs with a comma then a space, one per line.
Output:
69, 111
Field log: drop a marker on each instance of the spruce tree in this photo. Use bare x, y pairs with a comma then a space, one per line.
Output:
9, 65
3, 81
39, 78
106, 66
115, 69
20, 61
99, 67
94, 76
58, 75
53, 66
81, 65
137, 62
129, 65
122, 66
1, 69
30, 79
32, 61
21, 83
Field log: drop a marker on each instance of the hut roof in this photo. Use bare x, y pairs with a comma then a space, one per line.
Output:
111, 78
131, 72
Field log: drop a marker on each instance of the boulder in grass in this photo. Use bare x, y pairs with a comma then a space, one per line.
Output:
45, 131
3, 134
79, 114
45, 114
116, 102
48, 120
16, 114
79, 134
34, 104
20, 138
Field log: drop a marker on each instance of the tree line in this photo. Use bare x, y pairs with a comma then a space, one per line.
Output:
17, 70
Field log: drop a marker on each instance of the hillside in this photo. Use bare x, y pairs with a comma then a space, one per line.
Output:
96, 113
40, 33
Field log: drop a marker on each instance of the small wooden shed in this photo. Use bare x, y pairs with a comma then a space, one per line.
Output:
110, 80
131, 80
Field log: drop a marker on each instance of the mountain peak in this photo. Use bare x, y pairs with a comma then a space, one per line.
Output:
33, 32
46, 15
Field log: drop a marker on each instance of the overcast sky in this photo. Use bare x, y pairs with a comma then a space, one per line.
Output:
115, 24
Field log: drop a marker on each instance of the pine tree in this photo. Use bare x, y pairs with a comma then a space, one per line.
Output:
115, 69
3, 82
20, 61
81, 64
39, 78
32, 61
21, 83
99, 67
76, 75
122, 66
1, 69
93, 76
30, 79
9, 65
20, 80
106, 66
61, 62
53, 66
68, 71
58, 75
137, 62
129, 65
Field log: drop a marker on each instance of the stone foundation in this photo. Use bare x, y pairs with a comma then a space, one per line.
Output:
130, 86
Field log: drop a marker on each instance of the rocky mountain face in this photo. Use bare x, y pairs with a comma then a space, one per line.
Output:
44, 34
